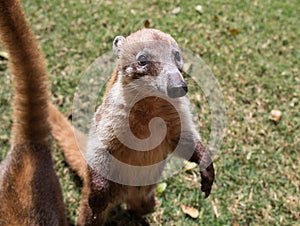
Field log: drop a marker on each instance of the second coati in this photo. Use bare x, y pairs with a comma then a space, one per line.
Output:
30, 193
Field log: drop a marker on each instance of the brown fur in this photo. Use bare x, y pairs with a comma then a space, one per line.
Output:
72, 141
30, 192
99, 194
111, 82
141, 114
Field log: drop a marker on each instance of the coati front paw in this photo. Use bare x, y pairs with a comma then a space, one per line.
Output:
207, 179
207, 172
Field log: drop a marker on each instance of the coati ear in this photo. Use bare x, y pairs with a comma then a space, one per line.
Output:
117, 44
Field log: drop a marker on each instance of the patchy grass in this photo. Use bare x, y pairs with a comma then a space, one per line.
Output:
252, 48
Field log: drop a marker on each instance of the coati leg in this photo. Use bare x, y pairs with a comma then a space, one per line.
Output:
201, 157
30, 192
190, 143
206, 167
87, 216
99, 196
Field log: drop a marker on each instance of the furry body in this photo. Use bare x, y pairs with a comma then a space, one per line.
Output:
148, 65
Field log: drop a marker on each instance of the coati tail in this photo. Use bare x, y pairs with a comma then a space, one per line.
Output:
71, 141
29, 70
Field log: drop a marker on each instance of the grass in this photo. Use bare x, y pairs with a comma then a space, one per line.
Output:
252, 47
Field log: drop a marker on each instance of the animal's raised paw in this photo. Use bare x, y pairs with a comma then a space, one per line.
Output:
207, 179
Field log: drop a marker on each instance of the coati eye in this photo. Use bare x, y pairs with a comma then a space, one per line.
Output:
142, 60
177, 56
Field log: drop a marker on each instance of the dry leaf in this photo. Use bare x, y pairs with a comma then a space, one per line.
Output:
161, 187
198, 97
89, 45
176, 10
236, 223
215, 209
189, 165
276, 115
133, 12
234, 31
187, 66
4, 54
199, 8
191, 211
146, 23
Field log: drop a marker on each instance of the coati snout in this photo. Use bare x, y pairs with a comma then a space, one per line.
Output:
171, 82
176, 87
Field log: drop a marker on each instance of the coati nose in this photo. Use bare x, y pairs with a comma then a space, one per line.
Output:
178, 90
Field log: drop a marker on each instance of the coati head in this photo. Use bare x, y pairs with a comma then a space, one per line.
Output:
151, 59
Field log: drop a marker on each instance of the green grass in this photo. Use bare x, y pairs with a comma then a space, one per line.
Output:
252, 48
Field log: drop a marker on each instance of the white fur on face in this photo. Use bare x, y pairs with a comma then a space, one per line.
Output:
141, 70
129, 70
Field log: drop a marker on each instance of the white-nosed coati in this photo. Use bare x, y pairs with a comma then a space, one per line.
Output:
149, 65
30, 193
